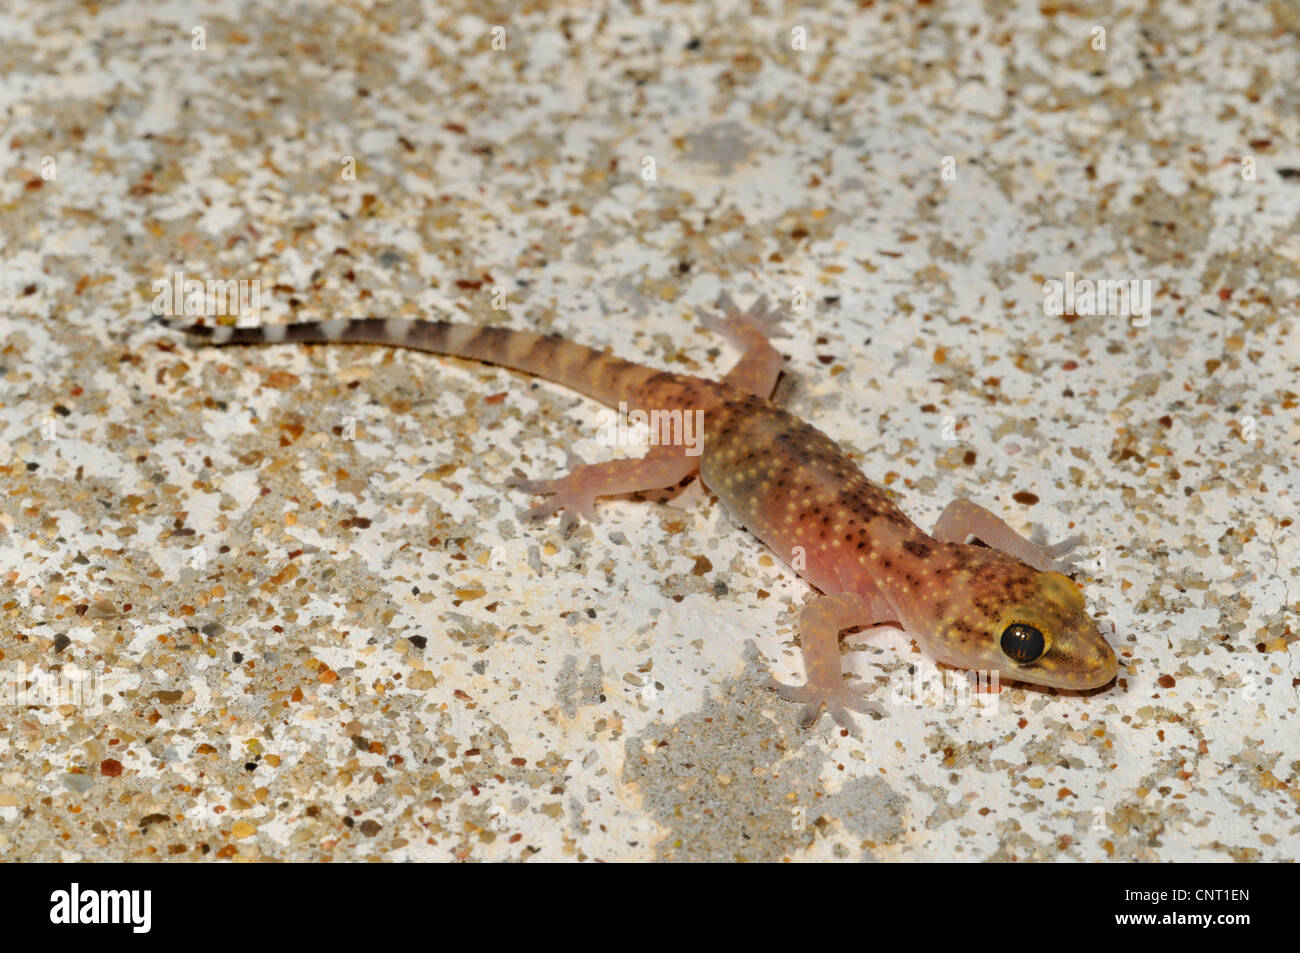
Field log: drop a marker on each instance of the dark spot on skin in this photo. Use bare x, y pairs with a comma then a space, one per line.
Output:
917, 549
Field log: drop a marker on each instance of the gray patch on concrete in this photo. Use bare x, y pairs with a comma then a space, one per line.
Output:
731, 783
575, 689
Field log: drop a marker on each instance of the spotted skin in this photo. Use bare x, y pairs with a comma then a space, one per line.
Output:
795, 489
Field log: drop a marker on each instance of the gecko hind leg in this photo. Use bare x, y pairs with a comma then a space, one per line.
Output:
820, 624
751, 331
962, 518
575, 493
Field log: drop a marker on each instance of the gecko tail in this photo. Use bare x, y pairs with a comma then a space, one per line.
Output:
595, 373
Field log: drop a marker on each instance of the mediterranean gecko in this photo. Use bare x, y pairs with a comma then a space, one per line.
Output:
1003, 607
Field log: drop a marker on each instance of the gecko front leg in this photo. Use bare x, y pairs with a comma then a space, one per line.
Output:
575, 493
962, 518
820, 624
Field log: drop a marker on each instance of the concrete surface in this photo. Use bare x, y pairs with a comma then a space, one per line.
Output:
277, 603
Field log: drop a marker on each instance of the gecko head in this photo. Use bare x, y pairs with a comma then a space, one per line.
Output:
1030, 626
1048, 638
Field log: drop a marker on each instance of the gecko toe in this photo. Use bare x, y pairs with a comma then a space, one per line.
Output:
838, 700
710, 320
1059, 557
540, 512
840, 714
525, 485
727, 305
791, 693
1063, 548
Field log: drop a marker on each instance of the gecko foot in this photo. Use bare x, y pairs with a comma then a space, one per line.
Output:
577, 491
839, 701
564, 494
1066, 560
760, 316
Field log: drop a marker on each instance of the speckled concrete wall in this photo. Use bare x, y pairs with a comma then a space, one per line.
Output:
276, 603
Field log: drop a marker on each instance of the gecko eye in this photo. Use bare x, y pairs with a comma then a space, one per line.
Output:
1022, 643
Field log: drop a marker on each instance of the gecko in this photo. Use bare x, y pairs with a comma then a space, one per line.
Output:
1006, 606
